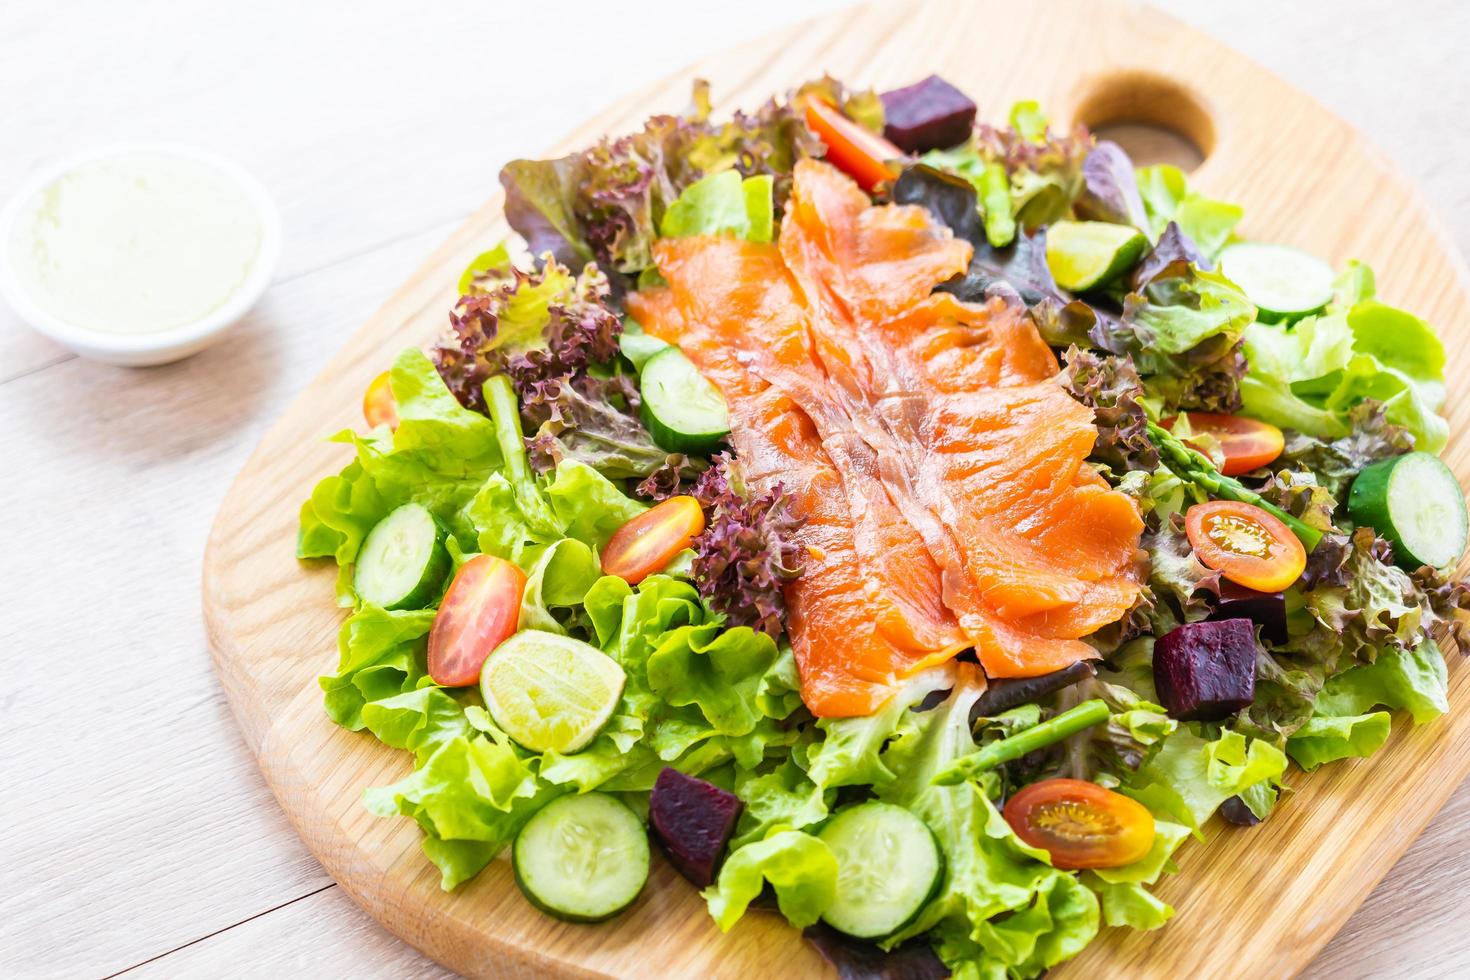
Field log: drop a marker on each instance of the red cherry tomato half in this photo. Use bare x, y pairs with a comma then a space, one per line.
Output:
651, 540
481, 609
1245, 544
1081, 824
1246, 443
378, 405
858, 152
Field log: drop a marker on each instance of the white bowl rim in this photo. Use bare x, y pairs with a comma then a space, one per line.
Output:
243, 298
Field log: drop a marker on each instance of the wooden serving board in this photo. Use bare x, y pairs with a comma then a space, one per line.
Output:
1255, 903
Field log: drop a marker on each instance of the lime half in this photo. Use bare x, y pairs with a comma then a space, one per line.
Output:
550, 693
1083, 255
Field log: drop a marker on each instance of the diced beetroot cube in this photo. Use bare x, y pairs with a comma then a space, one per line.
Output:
1206, 671
927, 115
693, 820
1266, 609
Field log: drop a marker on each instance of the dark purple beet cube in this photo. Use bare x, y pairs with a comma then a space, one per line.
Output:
693, 820
927, 115
1206, 671
1266, 609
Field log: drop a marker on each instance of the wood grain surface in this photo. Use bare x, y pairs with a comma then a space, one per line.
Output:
139, 834
271, 624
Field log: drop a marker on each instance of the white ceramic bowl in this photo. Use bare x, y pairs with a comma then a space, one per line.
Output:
158, 347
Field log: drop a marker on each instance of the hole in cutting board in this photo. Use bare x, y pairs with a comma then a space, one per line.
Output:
1155, 119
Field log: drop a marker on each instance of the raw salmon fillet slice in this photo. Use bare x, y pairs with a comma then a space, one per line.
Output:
938, 468
868, 609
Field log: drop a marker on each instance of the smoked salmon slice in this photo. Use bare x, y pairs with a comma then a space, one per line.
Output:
937, 467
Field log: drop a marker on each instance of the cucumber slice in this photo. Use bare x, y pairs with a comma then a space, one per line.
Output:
638, 346
1416, 503
402, 561
1084, 255
683, 411
550, 693
582, 858
1284, 283
888, 868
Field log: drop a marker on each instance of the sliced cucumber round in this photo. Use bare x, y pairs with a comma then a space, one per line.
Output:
550, 693
1084, 255
402, 561
888, 868
1416, 503
1284, 283
683, 411
582, 858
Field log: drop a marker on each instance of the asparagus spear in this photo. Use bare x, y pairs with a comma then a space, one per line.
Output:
1195, 467
1069, 722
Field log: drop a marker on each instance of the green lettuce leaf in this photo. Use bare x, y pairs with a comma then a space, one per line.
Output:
850, 754
799, 867
1175, 313
1129, 904
1342, 724
588, 506
1414, 680
718, 670
1167, 197
470, 798
559, 579
1189, 777
783, 798
723, 204
420, 720
380, 654
1313, 375
1329, 738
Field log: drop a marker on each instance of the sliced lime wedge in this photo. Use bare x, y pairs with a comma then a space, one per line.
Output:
1086, 254
550, 693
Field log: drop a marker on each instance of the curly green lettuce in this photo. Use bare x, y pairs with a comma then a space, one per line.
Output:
1312, 376
609, 202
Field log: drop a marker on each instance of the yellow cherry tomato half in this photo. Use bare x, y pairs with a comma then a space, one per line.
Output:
1245, 544
378, 404
650, 541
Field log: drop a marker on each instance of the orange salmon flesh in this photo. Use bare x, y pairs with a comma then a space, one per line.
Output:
936, 466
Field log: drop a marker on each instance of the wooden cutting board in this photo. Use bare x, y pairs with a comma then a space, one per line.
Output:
1252, 903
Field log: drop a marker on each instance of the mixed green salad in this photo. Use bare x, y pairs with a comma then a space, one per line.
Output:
567, 593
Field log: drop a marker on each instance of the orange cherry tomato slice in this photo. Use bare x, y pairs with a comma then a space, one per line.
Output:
860, 153
651, 540
1245, 544
1081, 824
1246, 443
481, 609
378, 404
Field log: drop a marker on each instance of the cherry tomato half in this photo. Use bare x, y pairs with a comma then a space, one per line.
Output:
1246, 443
378, 405
650, 541
860, 153
1081, 824
1245, 544
481, 609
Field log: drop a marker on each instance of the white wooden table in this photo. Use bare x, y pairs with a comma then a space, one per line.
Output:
135, 834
